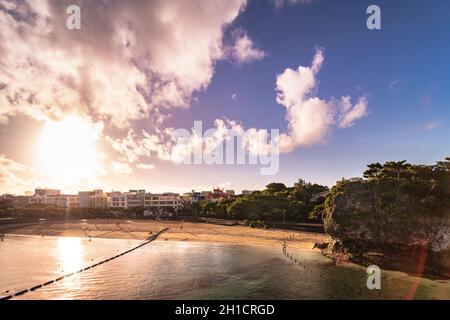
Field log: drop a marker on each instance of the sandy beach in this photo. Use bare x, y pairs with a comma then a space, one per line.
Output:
178, 231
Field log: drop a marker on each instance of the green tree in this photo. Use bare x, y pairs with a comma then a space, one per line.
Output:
274, 187
374, 170
395, 168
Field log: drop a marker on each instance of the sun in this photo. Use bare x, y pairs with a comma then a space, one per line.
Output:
66, 150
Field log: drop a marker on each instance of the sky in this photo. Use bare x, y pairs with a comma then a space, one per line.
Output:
97, 107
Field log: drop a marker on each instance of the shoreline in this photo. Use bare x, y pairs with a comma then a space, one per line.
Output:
178, 231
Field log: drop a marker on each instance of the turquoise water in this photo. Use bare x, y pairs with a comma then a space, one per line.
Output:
189, 270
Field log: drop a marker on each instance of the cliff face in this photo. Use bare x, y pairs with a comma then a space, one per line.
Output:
382, 222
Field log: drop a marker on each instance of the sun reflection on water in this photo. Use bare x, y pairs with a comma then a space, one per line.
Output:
70, 254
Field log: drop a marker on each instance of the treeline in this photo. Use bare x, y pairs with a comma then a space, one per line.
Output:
429, 183
32, 211
393, 216
302, 202
54, 212
395, 195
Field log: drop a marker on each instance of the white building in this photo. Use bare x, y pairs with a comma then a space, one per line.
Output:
65, 201
47, 192
135, 198
93, 199
37, 199
163, 201
118, 200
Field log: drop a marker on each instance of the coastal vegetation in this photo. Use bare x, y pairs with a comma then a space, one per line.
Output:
398, 213
276, 203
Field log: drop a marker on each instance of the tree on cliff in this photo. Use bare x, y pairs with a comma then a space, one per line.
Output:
399, 211
395, 168
374, 171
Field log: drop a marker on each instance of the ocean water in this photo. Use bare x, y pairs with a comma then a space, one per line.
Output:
190, 270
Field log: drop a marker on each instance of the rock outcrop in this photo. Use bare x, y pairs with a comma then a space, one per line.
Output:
385, 223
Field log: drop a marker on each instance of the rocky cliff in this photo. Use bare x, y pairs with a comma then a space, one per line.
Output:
389, 224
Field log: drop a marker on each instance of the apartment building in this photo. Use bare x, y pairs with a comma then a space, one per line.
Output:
163, 201
65, 201
99, 200
21, 201
47, 192
93, 199
135, 198
192, 197
118, 200
219, 194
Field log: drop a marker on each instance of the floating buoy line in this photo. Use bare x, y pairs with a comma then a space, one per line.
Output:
11, 293
284, 249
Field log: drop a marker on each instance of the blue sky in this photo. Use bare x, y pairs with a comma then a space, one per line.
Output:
402, 70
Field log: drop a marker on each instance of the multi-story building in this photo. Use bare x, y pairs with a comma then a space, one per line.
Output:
216, 194
72, 201
99, 200
163, 201
192, 197
85, 198
118, 200
135, 198
37, 199
47, 192
21, 201
93, 199
66, 201
53, 197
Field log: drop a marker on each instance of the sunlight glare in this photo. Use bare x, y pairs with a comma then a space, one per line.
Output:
66, 149
70, 250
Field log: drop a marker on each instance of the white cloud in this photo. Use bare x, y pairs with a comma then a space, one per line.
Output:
393, 85
310, 118
234, 96
244, 50
350, 114
135, 145
429, 126
14, 176
129, 60
121, 167
432, 125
